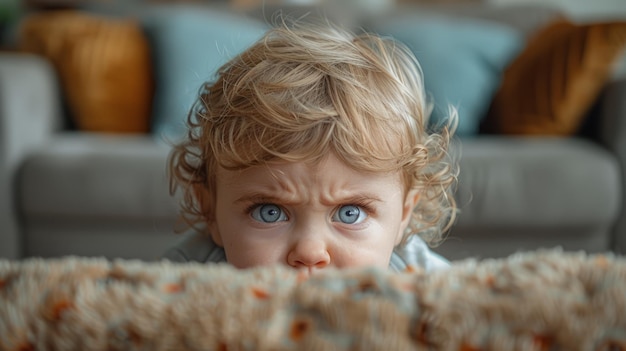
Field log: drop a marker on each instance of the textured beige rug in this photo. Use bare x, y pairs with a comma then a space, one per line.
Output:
543, 300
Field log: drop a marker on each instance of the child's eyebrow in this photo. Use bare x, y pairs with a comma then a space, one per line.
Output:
261, 198
267, 198
358, 199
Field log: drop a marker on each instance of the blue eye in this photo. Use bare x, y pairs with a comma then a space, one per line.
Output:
349, 214
268, 213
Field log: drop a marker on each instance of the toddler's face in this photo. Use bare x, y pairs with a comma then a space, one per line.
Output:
309, 216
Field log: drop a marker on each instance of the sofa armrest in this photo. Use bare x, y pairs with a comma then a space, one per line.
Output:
611, 124
30, 111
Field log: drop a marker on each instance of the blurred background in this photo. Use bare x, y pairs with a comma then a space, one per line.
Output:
93, 93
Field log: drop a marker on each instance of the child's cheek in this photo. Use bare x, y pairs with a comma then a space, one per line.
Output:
254, 253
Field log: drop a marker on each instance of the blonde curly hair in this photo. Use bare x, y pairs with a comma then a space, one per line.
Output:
304, 91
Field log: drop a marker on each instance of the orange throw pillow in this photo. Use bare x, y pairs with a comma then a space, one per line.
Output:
551, 85
104, 67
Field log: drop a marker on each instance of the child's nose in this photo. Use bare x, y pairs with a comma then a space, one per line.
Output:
309, 253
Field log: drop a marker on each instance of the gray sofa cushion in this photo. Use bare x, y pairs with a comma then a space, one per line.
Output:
537, 182
90, 175
97, 195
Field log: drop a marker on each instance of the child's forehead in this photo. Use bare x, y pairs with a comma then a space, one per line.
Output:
328, 168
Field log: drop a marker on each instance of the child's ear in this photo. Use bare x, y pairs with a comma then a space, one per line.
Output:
410, 201
208, 212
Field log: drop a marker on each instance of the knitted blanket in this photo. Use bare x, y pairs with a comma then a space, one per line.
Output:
540, 300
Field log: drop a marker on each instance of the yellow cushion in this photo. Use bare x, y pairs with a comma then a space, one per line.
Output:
103, 63
551, 85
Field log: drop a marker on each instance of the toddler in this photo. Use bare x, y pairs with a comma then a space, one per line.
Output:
311, 150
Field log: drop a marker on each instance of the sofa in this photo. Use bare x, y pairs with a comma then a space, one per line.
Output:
68, 188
